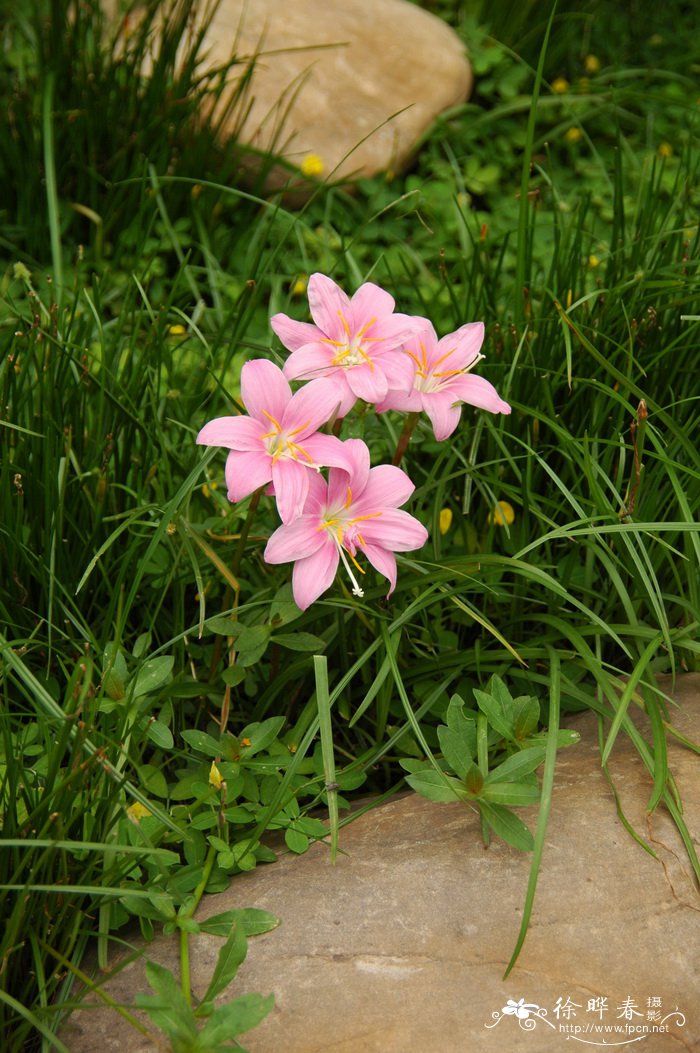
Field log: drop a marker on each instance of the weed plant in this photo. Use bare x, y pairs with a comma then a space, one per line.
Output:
164, 702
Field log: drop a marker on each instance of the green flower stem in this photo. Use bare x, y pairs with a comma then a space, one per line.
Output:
242, 541
185, 980
405, 437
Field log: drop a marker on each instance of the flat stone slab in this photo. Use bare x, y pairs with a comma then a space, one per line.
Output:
354, 83
402, 945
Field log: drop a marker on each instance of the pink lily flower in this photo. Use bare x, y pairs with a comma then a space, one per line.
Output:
356, 341
279, 441
443, 380
356, 514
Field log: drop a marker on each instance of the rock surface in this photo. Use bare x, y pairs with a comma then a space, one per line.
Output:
403, 943
355, 83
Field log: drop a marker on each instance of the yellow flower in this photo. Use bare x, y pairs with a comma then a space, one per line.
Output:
215, 777
312, 166
573, 135
560, 86
246, 742
593, 261
177, 330
445, 520
137, 811
503, 514
591, 63
299, 287
665, 150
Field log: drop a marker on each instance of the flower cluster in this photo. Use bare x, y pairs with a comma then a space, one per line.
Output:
356, 348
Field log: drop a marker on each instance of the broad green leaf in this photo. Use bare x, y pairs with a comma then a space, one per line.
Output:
153, 674
295, 840
116, 673
260, 735
252, 921
512, 793
283, 609
234, 1018
526, 715
497, 711
152, 780
457, 749
507, 825
517, 765
203, 743
300, 642
167, 1008
160, 734
437, 787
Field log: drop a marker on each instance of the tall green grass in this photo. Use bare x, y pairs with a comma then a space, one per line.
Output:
124, 668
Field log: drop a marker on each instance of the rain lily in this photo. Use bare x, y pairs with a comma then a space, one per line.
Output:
355, 514
442, 378
279, 440
356, 341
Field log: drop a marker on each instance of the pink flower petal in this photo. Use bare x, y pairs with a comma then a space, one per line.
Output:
396, 530
399, 370
328, 451
291, 482
478, 392
466, 342
387, 487
370, 301
367, 382
293, 335
390, 332
264, 390
444, 414
297, 540
313, 575
245, 473
354, 476
399, 400
383, 561
236, 433
310, 408
311, 360
329, 306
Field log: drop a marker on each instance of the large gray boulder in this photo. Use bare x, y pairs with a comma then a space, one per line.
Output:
343, 88
403, 943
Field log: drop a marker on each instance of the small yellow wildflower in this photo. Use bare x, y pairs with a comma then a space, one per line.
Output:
560, 86
503, 514
292, 747
177, 330
665, 150
312, 166
445, 520
196, 190
573, 135
137, 811
591, 63
299, 287
246, 742
207, 488
215, 777
593, 260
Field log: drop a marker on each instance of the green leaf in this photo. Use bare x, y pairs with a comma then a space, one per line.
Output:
228, 961
153, 674
283, 609
116, 673
152, 780
456, 749
517, 765
234, 1018
437, 787
507, 825
300, 642
526, 715
167, 1008
295, 840
260, 735
160, 734
513, 793
497, 706
203, 743
251, 920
